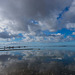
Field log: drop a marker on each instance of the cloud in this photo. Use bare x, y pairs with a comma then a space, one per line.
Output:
30, 60
73, 33
16, 17
17, 14
44, 38
69, 16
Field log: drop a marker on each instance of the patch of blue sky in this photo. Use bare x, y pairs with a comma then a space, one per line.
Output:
73, 36
17, 39
65, 31
47, 32
20, 35
63, 11
34, 21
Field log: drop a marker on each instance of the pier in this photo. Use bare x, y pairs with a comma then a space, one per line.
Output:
12, 48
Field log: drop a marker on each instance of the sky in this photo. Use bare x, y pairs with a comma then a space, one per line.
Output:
37, 21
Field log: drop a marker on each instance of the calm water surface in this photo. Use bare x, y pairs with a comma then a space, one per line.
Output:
46, 61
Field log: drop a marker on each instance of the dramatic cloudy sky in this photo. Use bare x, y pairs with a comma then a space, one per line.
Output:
37, 20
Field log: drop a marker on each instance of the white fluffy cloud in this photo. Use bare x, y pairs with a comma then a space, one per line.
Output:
43, 38
73, 33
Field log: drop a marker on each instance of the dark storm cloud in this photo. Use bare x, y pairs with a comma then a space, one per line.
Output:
19, 12
5, 35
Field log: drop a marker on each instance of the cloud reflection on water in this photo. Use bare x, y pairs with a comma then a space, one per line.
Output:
43, 62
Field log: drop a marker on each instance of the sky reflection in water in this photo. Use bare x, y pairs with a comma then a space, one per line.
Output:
38, 62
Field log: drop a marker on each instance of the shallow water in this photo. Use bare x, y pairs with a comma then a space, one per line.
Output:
59, 61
